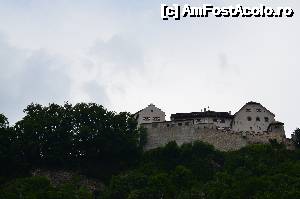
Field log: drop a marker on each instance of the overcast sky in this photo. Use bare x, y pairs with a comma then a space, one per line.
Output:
121, 54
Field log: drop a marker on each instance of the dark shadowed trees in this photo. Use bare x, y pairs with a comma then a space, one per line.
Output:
84, 137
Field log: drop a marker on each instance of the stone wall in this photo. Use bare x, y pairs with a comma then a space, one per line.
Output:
159, 134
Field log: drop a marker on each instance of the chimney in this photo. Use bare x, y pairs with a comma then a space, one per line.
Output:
229, 112
204, 109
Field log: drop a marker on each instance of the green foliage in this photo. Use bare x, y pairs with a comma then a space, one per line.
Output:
84, 137
108, 145
39, 187
195, 171
3, 121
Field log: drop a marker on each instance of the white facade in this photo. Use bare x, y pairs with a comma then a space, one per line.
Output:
219, 122
150, 114
252, 117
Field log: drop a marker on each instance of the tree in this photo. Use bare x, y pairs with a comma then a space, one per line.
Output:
87, 137
40, 187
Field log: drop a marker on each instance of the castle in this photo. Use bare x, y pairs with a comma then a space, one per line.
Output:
252, 124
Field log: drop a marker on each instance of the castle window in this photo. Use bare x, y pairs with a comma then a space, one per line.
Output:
179, 124
222, 121
156, 118
146, 118
151, 111
248, 110
258, 110
266, 119
257, 119
249, 118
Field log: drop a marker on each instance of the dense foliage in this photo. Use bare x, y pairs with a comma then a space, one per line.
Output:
40, 188
84, 137
107, 145
198, 171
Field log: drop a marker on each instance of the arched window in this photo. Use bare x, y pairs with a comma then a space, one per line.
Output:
257, 119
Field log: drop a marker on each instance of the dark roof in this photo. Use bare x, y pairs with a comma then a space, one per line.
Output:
253, 103
192, 115
277, 123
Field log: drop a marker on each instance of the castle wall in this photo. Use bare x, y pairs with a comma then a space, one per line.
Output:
159, 134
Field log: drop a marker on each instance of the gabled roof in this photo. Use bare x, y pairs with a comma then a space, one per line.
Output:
147, 107
254, 103
180, 116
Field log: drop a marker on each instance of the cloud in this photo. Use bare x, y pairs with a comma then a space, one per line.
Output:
116, 63
122, 54
30, 76
96, 92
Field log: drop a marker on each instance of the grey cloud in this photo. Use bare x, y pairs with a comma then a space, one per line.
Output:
116, 62
29, 76
96, 92
123, 54
226, 65
223, 61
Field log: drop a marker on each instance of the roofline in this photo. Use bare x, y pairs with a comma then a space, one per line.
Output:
254, 103
147, 107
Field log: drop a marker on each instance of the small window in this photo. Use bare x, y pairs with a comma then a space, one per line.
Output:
251, 128
248, 110
198, 120
168, 125
179, 124
222, 121
187, 123
258, 110
266, 119
257, 119
249, 118
156, 118
151, 111
146, 118
215, 120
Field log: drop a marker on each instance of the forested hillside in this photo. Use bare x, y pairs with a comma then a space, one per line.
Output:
107, 146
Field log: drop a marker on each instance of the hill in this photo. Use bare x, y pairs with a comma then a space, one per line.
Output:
88, 140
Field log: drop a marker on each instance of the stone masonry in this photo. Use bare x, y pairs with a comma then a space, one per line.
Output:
159, 134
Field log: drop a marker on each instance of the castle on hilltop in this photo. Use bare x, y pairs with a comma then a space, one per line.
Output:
253, 123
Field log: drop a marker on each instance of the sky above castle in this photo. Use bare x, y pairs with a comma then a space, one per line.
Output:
121, 54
